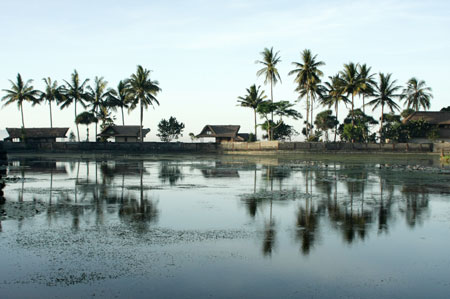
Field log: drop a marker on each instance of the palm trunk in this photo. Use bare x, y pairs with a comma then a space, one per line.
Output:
271, 99
87, 133
96, 125
335, 129
307, 116
256, 138
364, 106
142, 115
78, 131
381, 126
21, 111
123, 119
353, 113
312, 115
51, 122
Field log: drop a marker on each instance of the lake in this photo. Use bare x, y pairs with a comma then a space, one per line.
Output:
187, 226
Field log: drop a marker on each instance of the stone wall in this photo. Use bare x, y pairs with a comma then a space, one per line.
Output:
260, 146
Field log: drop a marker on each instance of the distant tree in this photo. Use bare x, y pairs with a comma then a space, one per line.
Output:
417, 94
142, 91
74, 92
192, 136
307, 78
98, 95
445, 109
20, 91
119, 98
325, 121
86, 118
252, 99
334, 95
169, 130
385, 95
52, 93
281, 108
359, 131
72, 137
352, 82
281, 131
269, 71
368, 83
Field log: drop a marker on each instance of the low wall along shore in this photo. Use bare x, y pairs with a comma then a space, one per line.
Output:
260, 146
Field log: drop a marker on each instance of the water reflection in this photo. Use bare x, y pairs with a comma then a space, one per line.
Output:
305, 198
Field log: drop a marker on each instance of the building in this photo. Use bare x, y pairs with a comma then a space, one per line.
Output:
440, 119
35, 135
123, 133
223, 133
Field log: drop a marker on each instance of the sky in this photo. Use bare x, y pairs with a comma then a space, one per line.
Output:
203, 53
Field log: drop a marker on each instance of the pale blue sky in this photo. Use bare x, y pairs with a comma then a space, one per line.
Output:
203, 52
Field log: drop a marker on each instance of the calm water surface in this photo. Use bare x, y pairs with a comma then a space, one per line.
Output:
245, 227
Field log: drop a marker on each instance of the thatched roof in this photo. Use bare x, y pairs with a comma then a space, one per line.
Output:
123, 131
37, 132
219, 131
432, 117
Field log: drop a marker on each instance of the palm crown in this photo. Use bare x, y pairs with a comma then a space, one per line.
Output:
417, 94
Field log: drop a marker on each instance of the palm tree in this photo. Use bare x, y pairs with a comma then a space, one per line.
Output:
335, 95
369, 82
97, 96
416, 94
252, 100
86, 118
19, 92
142, 91
52, 93
307, 77
385, 94
270, 71
353, 83
119, 98
75, 92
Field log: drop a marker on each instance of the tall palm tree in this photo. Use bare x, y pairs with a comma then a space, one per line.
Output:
142, 91
119, 98
385, 95
97, 96
353, 83
252, 99
270, 71
416, 94
52, 93
20, 91
307, 77
74, 92
335, 95
368, 82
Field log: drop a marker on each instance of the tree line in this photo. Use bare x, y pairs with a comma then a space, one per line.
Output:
139, 90
355, 81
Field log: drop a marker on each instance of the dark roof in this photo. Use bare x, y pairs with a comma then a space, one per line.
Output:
123, 131
219, 131
37, 132
432, 117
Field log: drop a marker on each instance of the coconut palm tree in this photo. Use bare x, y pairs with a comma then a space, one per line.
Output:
74, 92
52, 93
416, 94
369, 82
335, 95
21, 91
270, 71
385, 95
252, 99
86, 118
308, 78
352, 82
119, 98
97, 96
142, 91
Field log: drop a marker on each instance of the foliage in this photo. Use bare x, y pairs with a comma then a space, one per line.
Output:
445, 109
281, 130
169, 130
72, 137
325, 121
359, 131
407, 112
20, 91
352, 82
86, 118
269, 71
281, 109
192, 136
252, 99
52, 93
417, 94
119, 98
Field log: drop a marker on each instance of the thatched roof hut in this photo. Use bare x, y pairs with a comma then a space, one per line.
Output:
36, 134
123, 133
223, 133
